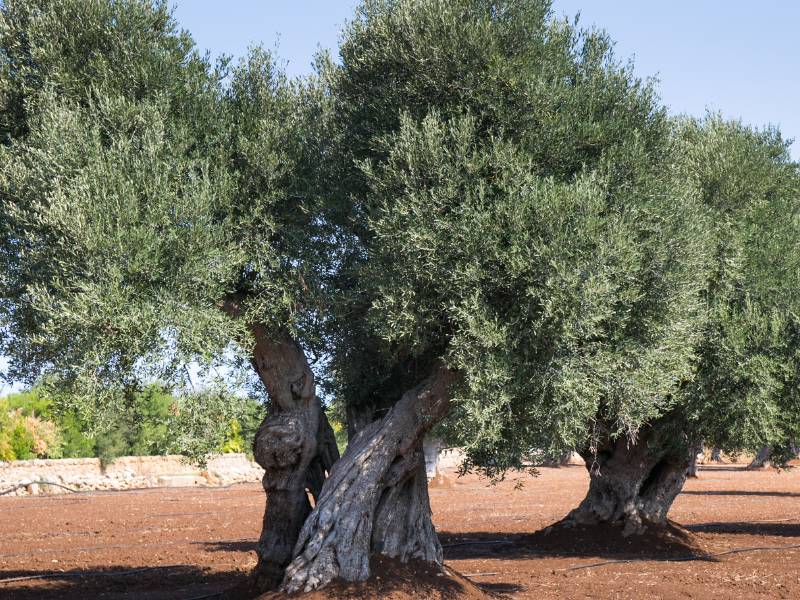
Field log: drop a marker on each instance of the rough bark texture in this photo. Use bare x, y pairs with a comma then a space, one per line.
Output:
691, 472
295, 445
631, 484
695, 452
376, 497
761, 459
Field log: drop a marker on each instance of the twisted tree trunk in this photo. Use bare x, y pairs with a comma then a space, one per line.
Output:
376, 497
295, 445
761, 459
695, 452
631, 484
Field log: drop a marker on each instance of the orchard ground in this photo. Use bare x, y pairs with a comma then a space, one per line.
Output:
189, 543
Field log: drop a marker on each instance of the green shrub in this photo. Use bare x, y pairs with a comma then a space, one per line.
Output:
150, 422
35, 402
21, 442
46, 437
340, 432
6, 451
25, 436
75, 442
234, 442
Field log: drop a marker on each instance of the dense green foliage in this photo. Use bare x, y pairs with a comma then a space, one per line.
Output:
27, 426
518, 216
140, 188
107, 192
37, 424
746, 394
476, 183
25, 436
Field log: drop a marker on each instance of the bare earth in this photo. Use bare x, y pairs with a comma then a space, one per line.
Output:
189, 543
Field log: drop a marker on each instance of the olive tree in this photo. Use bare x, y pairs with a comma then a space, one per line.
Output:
742, 390
745, 394
481, 217
522, 258
154, 215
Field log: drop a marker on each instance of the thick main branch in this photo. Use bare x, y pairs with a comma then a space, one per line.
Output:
376, 498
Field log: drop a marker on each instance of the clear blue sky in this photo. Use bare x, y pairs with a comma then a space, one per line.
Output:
736, 56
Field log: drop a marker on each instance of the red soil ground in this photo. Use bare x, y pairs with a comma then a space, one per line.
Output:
190, 543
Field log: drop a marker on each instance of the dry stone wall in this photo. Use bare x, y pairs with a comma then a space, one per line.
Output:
33, 477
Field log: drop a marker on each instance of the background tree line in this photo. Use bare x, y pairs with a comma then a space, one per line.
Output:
35, 424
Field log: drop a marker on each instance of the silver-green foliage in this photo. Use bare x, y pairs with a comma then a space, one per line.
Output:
746, 392
140, 187
522, 218
476, 182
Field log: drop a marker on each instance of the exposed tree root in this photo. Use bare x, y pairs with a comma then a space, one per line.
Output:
399, 580
657, 541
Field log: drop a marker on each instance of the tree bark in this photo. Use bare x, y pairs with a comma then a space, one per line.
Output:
632, 484
295, 445
376, 497
761, 459
694, 453
716, 454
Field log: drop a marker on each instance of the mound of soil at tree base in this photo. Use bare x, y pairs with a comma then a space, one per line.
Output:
668, 541
394, 580
566, 538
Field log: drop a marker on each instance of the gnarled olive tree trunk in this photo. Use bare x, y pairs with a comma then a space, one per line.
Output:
761, 459
295, 445
632, 484
376, 497
695, 452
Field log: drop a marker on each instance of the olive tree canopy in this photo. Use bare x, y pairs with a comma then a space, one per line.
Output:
746, 392
141, 187
520, 216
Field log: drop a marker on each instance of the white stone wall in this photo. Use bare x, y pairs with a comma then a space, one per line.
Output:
128, 472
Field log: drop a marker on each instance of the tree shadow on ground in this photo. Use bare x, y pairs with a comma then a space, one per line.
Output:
749, 528
740, 493
179, 582
232, 546
741, 468
500, 589
578, 541
391, 578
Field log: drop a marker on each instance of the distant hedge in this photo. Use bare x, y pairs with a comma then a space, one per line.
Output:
32, 425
